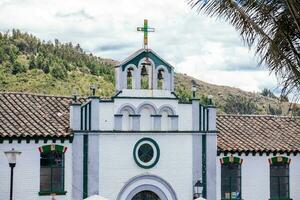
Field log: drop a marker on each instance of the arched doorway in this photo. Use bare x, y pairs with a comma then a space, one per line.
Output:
146, 195
147, 187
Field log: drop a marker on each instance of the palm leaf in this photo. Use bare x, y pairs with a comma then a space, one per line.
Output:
271, 27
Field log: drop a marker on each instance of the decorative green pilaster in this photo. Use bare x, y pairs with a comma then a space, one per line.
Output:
86, 116
85, 165
204, 178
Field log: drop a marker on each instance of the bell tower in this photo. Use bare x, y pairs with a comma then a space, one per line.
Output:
144, 69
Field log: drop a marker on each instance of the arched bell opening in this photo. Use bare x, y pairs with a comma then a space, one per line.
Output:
145, 74
160, 79
130, 82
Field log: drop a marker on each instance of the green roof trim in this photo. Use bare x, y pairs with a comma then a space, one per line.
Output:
157, 61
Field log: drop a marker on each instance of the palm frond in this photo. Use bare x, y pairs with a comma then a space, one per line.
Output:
271, 27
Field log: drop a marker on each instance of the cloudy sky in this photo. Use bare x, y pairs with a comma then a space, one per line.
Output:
203, 47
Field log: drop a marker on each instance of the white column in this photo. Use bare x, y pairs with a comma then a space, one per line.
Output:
118, 122
75, 116
211, 155
77, 167
95, 119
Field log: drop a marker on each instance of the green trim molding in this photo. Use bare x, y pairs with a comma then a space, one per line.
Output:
232, 199
231, 159
279, 159
52, 147
149, 140
157, 61
52, 193
280, 199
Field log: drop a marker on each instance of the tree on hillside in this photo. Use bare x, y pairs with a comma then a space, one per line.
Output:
239, 105
17, 67
272, 27
268, 93
59, 71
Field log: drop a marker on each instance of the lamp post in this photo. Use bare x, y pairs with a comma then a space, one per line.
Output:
198, 188
12, 159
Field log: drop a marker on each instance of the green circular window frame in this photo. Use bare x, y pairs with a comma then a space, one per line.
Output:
157, 150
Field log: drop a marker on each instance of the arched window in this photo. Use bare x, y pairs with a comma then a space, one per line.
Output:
146, 119
146, 195
279, 178
52, 163
165, 121
161, 79
231, 178
125, 111
130, 81
126, 121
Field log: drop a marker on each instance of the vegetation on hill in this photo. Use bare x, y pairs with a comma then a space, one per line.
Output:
28, 64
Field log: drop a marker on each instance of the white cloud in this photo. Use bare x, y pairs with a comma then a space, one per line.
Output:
195, 44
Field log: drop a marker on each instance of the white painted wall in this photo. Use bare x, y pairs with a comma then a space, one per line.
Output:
27, 171
117, 164
256, 177
184, 112
185, 118
106, 115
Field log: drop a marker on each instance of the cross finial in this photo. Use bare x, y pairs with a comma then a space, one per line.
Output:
145, 29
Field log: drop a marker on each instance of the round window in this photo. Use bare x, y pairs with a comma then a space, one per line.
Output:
146, 153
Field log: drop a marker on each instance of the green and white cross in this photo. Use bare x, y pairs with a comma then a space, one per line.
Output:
145, 29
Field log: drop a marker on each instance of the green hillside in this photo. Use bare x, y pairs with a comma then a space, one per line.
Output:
28, 64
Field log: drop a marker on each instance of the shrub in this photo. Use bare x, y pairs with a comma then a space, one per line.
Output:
239, 105
17, 67
59, 72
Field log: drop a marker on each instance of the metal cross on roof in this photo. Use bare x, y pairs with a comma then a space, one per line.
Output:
145, 29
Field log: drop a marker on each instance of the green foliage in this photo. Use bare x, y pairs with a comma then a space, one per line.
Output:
59, 72
239, 105
183, 93
45, 56
295, 110
272, 28
284, 98
274, 110
204, 100
17, 67
268, 93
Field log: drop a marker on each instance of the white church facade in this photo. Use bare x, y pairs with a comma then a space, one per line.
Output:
143, 139
144, 144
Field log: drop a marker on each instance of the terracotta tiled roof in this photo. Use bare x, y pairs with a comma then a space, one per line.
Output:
28, 115
31, 115
258, 133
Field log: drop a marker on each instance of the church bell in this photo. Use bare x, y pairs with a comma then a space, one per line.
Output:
160, 75
144, 69
129, 74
